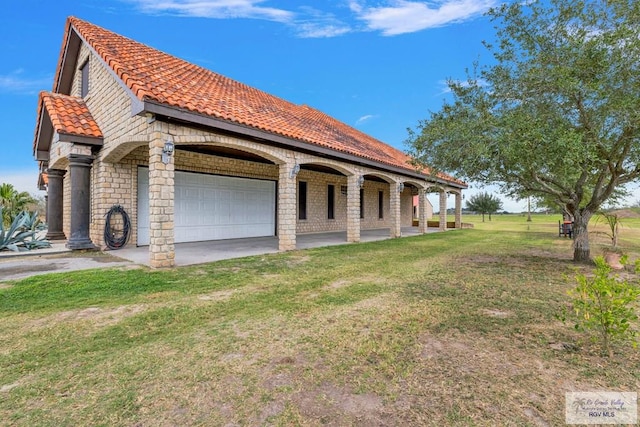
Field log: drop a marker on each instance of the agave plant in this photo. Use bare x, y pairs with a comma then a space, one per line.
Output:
33, 222
21, 234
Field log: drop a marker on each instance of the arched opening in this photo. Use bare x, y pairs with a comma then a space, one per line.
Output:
322, 198
447, 207
434, 199
222, 189
376, 212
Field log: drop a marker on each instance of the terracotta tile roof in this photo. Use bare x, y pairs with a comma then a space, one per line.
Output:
69, 115
155, 76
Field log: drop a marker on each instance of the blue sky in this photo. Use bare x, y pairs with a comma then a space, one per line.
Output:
377, 65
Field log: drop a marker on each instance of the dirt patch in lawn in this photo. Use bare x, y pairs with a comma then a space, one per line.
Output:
98, 315
333, 405
338, 284
217, 296
502, 314
296, 260
482, 259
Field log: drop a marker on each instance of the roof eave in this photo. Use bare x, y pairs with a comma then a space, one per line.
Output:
43, 136
67, 64
213, 122
96, 141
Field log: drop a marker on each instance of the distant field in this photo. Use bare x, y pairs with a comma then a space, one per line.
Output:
541, 223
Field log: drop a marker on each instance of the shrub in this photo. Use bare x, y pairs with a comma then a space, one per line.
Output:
612, 220
605, 304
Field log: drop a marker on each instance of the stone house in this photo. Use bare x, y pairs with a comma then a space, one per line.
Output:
192, 155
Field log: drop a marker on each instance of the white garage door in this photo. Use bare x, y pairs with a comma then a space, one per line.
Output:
212, 207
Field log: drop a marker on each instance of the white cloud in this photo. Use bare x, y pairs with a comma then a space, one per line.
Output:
364, 119
314, 30
308, 23
216, 9
355, 7
402, 16
313, 23
392, 18
15, 82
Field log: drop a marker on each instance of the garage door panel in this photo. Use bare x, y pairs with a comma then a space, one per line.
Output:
143, 206
209, 207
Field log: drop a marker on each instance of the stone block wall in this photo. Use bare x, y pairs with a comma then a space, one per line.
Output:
406, 207
108, 101
371, 218
317, 199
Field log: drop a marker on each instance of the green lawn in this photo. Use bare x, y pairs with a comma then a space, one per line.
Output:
455, 328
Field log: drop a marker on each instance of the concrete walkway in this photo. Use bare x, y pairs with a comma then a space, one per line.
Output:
58, 258
216, 250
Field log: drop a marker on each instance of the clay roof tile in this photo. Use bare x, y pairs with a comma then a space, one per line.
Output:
69, 115
156, 76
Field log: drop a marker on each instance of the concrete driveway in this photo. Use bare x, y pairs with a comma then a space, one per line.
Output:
59, 259
54, 260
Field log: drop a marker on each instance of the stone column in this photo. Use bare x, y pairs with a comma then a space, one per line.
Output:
443, 210
353, 209
394, 208
162, 251
80, 175
55, 205
287, 208
459, 209
422, 211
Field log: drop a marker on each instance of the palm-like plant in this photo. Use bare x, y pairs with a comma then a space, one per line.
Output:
6, 193
612, 219
13, 202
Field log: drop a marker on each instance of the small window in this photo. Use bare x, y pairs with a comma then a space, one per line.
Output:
331, 197
302, 200
361, 203
84, 82
380, 204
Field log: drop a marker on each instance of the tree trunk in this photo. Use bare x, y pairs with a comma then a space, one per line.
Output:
581, 248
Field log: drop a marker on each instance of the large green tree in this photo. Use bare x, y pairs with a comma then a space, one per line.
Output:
556, 115
484, 203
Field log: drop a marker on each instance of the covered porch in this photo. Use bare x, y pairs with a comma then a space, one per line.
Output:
216, 250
